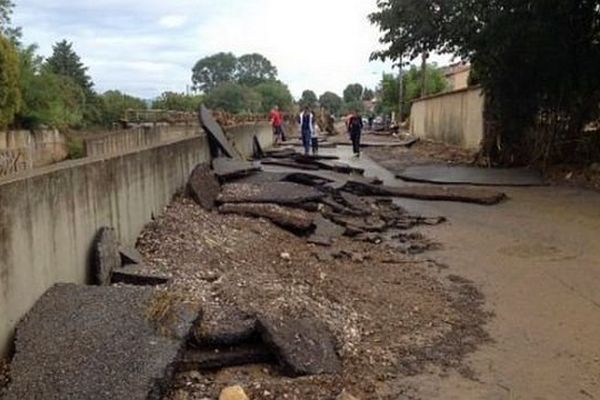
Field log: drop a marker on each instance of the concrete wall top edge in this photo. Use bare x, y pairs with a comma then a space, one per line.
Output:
84, 161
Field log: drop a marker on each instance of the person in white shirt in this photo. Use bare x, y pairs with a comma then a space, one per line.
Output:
314, 139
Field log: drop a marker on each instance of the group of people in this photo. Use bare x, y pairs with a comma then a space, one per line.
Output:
310, 130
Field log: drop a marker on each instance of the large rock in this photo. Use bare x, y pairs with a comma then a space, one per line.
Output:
302, 346
288, 218
203, 186
283, 193
233, 393
99, 343
105, 256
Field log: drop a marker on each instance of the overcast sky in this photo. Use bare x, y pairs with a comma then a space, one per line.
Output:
147, 47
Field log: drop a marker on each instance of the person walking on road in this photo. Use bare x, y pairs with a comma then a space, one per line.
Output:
307, 126
277, 124
355, 126
315, 139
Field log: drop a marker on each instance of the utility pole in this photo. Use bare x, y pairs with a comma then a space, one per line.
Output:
400, 91
424, 57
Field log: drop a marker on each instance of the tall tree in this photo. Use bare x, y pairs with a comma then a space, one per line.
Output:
66, 62
308, 99
353, 93
212, 71
254, 69
332, 102
368, 94
10, 32
177, 102
234, 98
274, 93
116, 103
10, 92
532, 57
412, 84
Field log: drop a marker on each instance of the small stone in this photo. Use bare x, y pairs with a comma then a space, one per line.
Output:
286, 256
181, 395
346, 396
233, 393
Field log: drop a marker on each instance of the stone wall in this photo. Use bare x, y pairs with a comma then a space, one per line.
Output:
454, 118
49, 216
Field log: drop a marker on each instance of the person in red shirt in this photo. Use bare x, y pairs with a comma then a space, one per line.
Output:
277, 124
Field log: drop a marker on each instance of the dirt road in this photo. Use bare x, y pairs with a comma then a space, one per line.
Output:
537, 260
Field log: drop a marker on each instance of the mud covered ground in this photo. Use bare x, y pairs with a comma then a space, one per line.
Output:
392, 315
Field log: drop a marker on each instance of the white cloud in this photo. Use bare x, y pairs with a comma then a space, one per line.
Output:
173, 21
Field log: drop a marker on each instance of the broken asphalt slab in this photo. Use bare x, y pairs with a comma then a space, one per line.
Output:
135, 275
223, 326
216, 133
130, 255
228, 169
288, 218
98, 343
215, 359
105, 256
326, 232
282, 193
289, 163
430, 193
393, 143
203, 186
460, 175
303, 347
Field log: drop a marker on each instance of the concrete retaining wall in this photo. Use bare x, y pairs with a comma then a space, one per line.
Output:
122, 141
20, 150
454, 118
49, 216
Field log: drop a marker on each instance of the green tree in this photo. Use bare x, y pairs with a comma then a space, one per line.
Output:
65, 61
254, 69
353, 93
274, 93
10, 92
53, 100
115, 103
48, 99
212, 71
177, 102
233, 98
533, 57
332, 102
6, 29
412, 85
308, 99
368, 94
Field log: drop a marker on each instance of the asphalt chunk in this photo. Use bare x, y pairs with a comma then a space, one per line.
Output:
303, 347
282, 193
96, 343
203, 186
